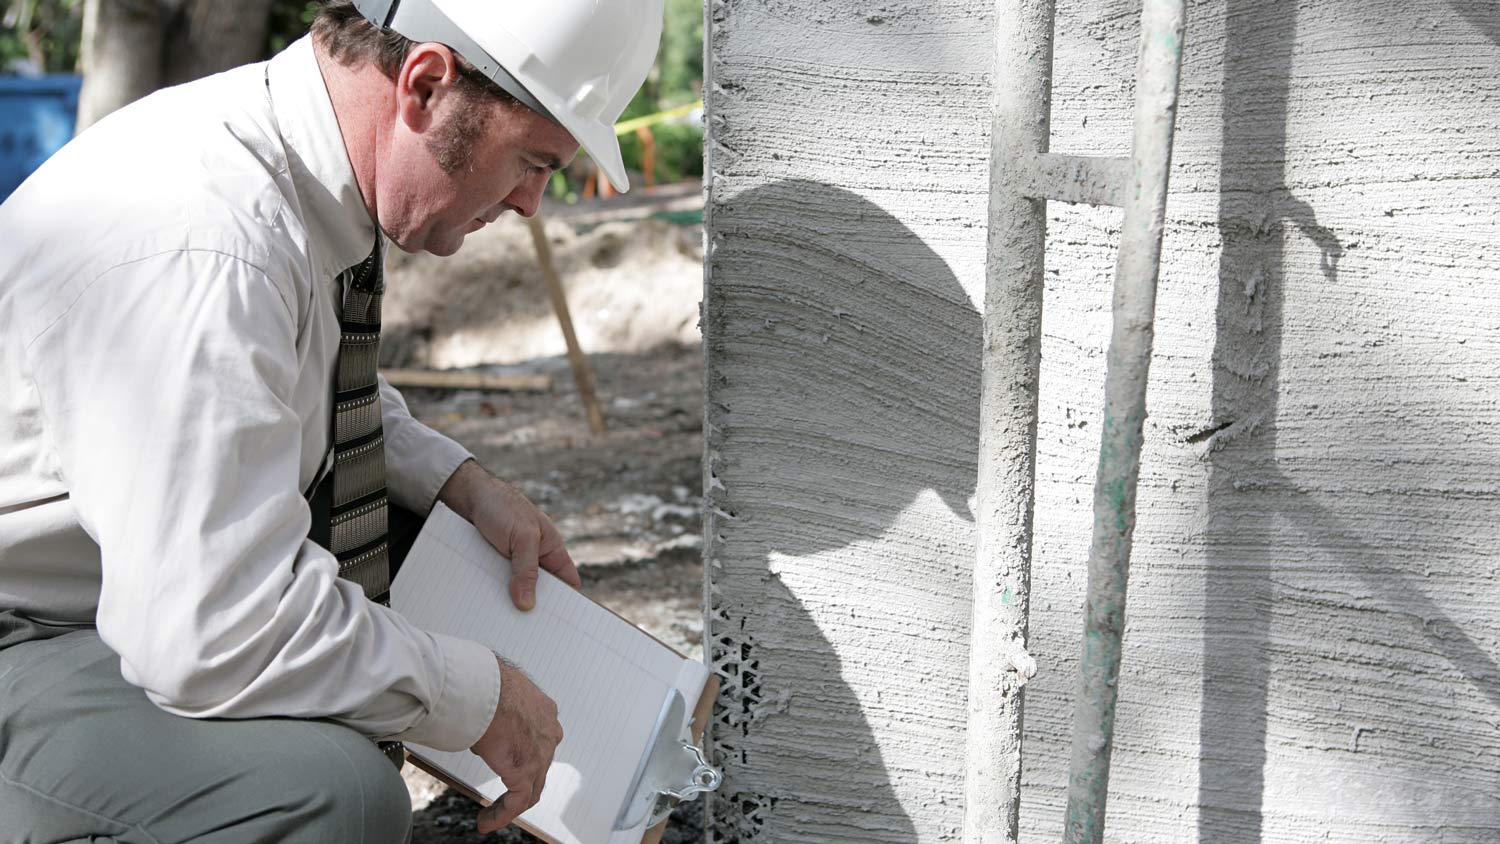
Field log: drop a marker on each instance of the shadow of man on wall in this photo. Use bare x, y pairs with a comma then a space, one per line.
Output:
841, 435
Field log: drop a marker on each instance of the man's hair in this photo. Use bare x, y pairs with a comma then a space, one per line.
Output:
351, 39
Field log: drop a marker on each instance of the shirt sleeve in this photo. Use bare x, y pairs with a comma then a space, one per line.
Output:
166, 388
418, 460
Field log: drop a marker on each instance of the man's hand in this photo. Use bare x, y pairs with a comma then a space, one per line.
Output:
518, 745
514, 526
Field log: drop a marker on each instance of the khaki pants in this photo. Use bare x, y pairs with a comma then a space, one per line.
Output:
85, 757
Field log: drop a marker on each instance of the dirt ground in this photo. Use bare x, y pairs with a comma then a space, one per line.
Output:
632, 268
627, 503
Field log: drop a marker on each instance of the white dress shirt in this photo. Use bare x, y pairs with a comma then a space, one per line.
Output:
168, 336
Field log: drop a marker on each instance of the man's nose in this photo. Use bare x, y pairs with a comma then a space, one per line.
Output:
527, 196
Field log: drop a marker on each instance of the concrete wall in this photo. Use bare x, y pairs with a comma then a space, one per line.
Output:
1315, 610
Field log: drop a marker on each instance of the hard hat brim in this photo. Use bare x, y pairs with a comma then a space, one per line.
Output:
603, 145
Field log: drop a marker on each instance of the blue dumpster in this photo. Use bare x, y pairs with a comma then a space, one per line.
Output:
36, 118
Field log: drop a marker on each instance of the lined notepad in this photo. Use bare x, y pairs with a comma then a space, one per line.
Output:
608, 678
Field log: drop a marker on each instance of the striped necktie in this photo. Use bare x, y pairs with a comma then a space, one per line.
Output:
355, 494
357, 510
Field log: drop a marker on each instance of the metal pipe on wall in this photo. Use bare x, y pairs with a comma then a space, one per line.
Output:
998, 663
1157, 73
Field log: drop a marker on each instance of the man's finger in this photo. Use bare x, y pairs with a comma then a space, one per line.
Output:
523, 571
500, 814
541, 783
493, 817
560, 563
523, 801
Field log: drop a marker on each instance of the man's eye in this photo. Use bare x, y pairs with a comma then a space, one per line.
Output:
532, 168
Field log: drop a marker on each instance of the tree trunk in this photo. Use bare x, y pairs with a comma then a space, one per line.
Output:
209, 36
121, 55
133, 47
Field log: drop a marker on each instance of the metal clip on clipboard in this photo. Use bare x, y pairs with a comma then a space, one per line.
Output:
673, 769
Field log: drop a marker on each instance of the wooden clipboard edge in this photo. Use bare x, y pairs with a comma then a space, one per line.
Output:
701, 713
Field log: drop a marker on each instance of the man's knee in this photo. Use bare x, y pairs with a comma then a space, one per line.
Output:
174, 778
338, 787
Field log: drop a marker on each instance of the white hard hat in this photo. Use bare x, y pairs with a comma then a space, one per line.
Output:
576, 62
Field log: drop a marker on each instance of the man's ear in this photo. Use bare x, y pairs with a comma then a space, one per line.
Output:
427, 76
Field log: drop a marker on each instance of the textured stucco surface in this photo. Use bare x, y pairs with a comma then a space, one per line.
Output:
1314, 617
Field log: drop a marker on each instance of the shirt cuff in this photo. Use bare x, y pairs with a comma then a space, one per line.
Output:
466, 704
419, 461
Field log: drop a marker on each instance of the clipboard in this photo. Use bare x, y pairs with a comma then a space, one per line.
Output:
701, 713
644, 751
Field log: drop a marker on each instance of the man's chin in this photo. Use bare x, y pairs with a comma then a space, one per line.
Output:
444, 246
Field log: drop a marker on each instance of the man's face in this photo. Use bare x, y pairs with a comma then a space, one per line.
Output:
434, 188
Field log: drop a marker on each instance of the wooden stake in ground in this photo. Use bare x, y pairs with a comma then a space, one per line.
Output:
581, 373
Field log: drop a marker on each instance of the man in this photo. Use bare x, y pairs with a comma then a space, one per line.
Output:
193, 444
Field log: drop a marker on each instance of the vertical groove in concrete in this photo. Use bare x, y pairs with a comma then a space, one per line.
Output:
710, 800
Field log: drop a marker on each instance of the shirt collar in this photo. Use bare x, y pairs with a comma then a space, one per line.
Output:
338, 223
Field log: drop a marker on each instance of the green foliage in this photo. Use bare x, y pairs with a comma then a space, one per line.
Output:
679, 151
290, 20
677, 76
45, 32
676, 79
680, 63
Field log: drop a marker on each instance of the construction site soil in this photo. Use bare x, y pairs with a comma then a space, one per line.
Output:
628, 503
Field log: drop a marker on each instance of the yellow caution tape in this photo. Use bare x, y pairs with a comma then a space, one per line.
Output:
625, 127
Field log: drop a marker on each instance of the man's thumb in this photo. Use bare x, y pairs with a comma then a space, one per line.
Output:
523, 574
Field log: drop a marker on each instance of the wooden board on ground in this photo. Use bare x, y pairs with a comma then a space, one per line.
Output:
437, 379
